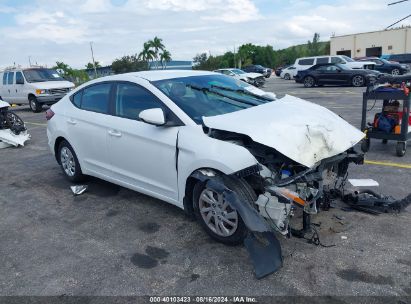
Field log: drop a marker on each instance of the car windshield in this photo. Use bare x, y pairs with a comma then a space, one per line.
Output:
40, 75
348, 59
237, 71
385, 61
209, 95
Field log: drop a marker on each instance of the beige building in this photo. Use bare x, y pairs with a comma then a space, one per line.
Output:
387, 42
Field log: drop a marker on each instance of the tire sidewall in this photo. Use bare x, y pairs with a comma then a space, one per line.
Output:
363, 81
313, 82
78, 174
38, 106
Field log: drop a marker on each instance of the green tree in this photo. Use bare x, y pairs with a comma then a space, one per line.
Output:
165, 56
147, 54
76, 76
157, 45
90, 65
314, 46
128, 64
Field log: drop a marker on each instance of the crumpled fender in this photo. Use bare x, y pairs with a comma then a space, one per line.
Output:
196, 150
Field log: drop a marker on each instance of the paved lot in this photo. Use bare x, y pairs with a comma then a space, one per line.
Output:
112, 241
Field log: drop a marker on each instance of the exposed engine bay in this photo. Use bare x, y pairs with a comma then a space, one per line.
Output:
13, 131
281, 183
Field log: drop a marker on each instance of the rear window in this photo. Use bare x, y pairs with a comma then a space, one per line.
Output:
5, 78
322, 60
94, 98
306, 61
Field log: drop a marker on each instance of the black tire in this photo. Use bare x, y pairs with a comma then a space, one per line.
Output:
395, 72
358, 81
244, 192
384, 141
77, 175
287, 76
35, 106
365, 145
309, 81
401, 148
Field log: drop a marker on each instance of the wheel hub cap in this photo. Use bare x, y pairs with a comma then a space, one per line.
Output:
67, 161
217, 213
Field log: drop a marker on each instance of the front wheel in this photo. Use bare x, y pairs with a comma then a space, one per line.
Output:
358, 81
35, 106
216, 216
287, 77
309, 82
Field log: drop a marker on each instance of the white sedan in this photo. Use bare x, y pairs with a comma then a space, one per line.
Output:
288, 73
237, 159
256, 79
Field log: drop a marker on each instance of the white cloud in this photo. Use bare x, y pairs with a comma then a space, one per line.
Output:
61, 30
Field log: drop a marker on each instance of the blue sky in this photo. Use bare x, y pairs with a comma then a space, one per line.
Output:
60, 30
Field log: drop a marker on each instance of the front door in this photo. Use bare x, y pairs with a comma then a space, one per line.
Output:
19, 88
142, 155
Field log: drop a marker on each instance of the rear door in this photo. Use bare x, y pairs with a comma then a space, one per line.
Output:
86, 123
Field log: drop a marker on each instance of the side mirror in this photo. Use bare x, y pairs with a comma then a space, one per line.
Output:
19, 81
153, 116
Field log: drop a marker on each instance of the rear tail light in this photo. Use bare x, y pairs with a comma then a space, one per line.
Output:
49, 114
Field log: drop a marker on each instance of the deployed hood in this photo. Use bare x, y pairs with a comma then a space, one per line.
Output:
301, 130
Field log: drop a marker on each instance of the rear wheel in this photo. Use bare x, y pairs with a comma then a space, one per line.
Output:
358, 81
69, 162
401, 148
216, 216
309, 82
35, 106
395, 72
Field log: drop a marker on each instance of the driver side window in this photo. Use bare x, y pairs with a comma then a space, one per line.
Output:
131, 99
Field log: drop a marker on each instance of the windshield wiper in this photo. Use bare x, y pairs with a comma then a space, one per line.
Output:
245, 92
204, 89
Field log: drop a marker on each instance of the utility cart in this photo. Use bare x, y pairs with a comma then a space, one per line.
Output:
401, 132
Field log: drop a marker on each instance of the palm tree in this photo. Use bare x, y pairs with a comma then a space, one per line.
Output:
165, 57
147, 54
157, 45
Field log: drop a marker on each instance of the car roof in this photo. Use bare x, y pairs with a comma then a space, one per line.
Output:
162, 74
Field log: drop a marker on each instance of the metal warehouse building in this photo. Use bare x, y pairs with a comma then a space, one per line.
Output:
387, 42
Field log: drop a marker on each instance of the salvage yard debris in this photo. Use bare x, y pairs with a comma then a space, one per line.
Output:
13, 132
78, 189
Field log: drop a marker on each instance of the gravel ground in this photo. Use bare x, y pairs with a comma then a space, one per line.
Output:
113, 241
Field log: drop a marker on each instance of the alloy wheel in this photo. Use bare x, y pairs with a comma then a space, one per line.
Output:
67, 161
358, 81
395, 72
217, 213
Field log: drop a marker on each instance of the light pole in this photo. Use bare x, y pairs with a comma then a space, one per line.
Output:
92, 56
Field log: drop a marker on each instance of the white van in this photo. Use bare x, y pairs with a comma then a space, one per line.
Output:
34, 86
307, 62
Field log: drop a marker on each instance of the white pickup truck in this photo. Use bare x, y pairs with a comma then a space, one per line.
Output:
34, 86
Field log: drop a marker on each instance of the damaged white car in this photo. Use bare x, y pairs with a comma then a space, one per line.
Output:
237, 158
13, 131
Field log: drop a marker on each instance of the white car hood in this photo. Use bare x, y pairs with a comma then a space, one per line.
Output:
52, 84
301, 130
4, 104
252, 75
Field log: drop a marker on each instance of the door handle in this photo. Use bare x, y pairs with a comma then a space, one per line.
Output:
71, 121
114, 133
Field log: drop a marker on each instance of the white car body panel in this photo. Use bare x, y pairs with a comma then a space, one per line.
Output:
300, 130
291, 72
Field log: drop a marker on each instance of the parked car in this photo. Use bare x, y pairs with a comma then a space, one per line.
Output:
255, 79
307, 62
335, 74
401, 58
33, 86
279, 69
202, 142
385, 66
288, 73
258, 69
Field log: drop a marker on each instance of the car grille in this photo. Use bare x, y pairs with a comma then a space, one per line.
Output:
59, 91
